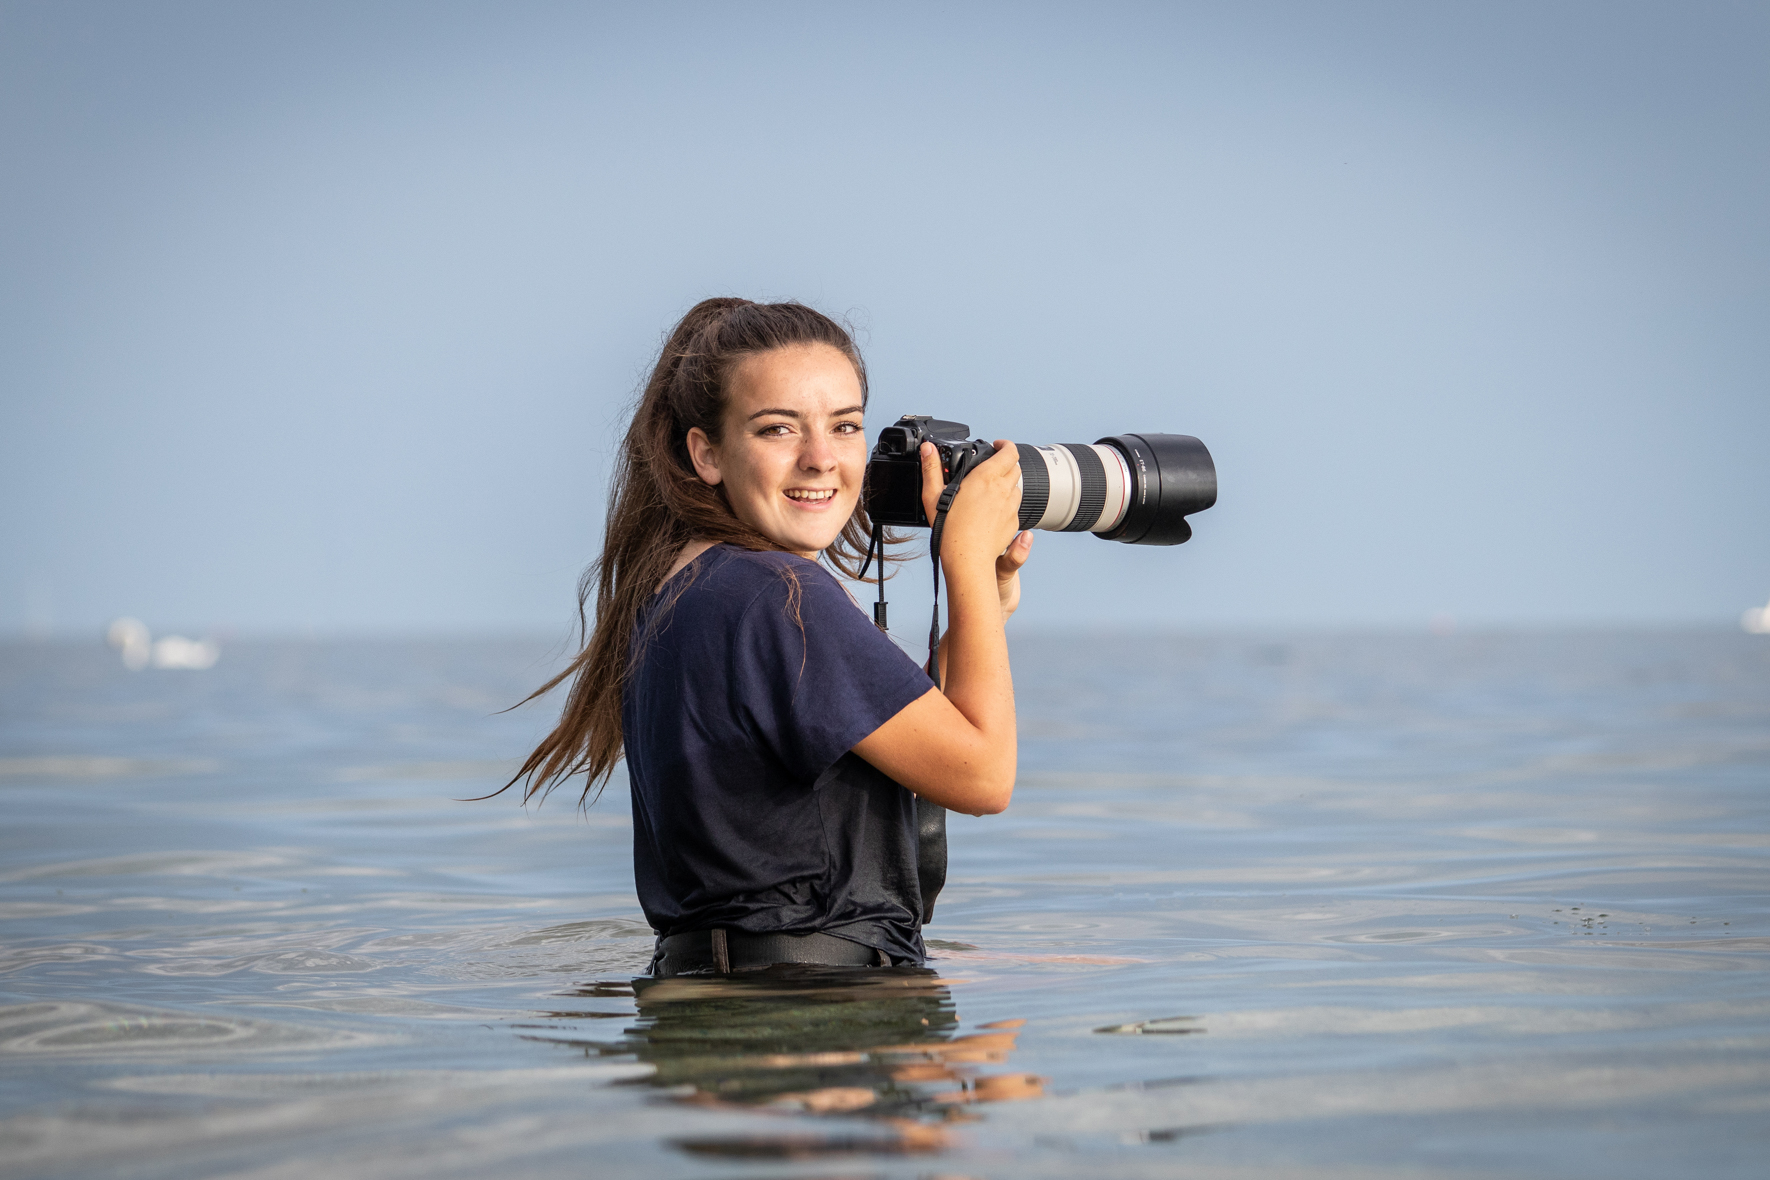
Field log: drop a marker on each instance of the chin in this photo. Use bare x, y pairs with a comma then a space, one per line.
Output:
808, 540
808, 544
797, 534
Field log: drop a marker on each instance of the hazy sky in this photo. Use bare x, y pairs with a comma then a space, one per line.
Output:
325, 316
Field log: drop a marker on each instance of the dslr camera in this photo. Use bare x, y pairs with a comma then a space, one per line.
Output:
1135, 488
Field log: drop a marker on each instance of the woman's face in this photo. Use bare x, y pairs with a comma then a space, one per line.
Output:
794, 450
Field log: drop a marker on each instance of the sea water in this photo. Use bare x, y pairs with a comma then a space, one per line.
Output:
1283, 905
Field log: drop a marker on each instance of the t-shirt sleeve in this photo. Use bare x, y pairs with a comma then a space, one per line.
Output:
810, 688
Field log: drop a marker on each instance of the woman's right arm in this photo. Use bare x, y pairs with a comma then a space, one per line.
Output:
957, 748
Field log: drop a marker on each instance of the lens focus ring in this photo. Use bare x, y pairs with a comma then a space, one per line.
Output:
1093, 489
1035, 485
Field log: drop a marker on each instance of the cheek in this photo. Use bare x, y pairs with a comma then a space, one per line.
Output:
755, 473
854, 461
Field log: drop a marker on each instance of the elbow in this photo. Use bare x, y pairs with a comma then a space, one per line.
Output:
993, 795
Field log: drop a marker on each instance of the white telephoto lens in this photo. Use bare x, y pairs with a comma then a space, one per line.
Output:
1081, 488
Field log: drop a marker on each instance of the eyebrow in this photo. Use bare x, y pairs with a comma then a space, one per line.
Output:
797, 414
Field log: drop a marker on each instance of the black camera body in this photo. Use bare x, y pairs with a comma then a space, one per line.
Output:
1134, 488
894, 473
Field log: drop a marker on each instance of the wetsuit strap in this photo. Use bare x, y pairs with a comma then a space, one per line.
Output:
930, 816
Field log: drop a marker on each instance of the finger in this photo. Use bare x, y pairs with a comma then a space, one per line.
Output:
1003, 468
932, 480
1012, 558
1007, 454
930, 456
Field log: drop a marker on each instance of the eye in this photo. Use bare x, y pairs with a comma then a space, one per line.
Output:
775, 430
848, 428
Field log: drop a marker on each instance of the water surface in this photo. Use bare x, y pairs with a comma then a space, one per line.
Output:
1322, 906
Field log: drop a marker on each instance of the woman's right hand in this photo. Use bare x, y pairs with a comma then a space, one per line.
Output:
984, 517
955, 746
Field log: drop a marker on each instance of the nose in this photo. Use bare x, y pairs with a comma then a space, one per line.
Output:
817, 453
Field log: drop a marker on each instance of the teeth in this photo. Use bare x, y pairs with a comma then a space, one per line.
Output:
801, 494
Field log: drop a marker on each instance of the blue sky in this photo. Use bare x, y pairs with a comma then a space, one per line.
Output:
323, 317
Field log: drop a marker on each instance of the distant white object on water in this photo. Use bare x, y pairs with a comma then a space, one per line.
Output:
175, 651
130, 636
1757, 620
140, 649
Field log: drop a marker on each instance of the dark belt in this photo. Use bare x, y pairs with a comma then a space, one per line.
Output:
725, 951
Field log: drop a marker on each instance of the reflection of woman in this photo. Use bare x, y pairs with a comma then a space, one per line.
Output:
808, 1040
754, 1038
765, 723
882, 1045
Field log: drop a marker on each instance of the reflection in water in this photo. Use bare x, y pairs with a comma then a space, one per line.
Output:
878, 1044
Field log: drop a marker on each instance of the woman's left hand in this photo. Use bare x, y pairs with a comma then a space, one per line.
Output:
1008, 572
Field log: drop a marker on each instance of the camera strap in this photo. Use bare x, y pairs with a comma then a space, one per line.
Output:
875, 547
940, 508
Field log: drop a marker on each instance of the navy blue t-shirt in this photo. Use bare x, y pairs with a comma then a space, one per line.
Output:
749, 811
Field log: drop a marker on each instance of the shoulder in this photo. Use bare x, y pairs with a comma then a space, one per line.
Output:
722, 571
766, 586
755, 565
729, 567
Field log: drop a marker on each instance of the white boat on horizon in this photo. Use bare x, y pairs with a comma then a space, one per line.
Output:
141, 650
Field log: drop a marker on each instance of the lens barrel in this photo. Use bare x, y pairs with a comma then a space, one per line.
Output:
1135, 488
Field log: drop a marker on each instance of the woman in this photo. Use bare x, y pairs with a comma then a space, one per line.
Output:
773, 736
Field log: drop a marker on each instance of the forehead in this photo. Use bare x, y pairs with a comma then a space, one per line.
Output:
802, 377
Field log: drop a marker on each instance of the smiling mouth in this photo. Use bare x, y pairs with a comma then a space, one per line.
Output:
810, 495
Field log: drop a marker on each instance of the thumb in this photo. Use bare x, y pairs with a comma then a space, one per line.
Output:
933, 481
1012, 558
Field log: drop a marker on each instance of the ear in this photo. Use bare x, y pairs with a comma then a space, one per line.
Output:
704, 455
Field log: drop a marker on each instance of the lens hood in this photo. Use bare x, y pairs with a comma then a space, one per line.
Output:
1172, 477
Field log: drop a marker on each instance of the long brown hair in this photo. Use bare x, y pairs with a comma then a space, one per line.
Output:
657, 505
